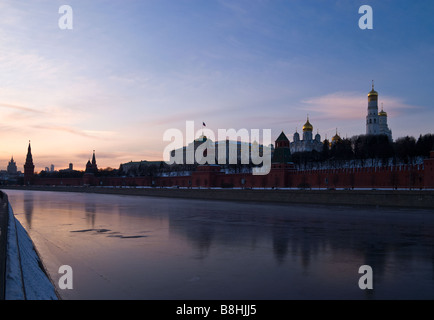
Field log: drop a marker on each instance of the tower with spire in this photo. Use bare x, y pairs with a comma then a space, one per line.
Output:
91, 167
29, 167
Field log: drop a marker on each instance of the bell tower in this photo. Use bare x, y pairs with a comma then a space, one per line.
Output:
372, 120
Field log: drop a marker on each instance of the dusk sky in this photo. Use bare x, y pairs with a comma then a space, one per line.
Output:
130, 70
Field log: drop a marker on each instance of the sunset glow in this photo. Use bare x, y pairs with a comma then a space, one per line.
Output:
130, 70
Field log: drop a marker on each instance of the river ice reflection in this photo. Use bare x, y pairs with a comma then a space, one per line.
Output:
129, 247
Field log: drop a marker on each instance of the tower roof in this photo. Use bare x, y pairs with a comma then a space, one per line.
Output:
29, 158
282, 137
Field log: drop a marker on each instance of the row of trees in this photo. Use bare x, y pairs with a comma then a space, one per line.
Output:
369, 150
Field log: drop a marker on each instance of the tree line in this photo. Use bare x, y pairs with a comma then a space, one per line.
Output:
369, 150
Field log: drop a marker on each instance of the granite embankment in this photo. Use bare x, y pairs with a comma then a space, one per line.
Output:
22, 274
383, 198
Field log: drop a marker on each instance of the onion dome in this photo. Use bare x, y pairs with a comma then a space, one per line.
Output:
307, 126
336, 138
382, 113
373, 92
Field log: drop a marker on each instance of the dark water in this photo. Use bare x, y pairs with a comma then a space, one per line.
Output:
125, 247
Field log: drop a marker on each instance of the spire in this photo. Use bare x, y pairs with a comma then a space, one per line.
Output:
29, 158
373, 85
93, 158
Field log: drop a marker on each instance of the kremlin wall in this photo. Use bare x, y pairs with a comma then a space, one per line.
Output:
281, 176
283, 173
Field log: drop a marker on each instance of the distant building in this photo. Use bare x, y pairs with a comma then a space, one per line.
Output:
69, 169
52, 168
12, 167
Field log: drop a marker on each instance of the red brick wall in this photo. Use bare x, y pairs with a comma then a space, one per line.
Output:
417, 176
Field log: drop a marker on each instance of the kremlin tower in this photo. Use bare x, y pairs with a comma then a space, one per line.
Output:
91, 167
29, 167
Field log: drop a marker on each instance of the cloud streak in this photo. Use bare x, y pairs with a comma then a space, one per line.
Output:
20, 108
352, 105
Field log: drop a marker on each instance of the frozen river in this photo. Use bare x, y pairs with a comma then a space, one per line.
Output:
127, 247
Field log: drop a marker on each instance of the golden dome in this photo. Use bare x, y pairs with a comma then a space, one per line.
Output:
382, 112
372, 92
336, 138
307, 126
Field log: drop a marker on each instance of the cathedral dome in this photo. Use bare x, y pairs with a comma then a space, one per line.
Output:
307, 126
336, 138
